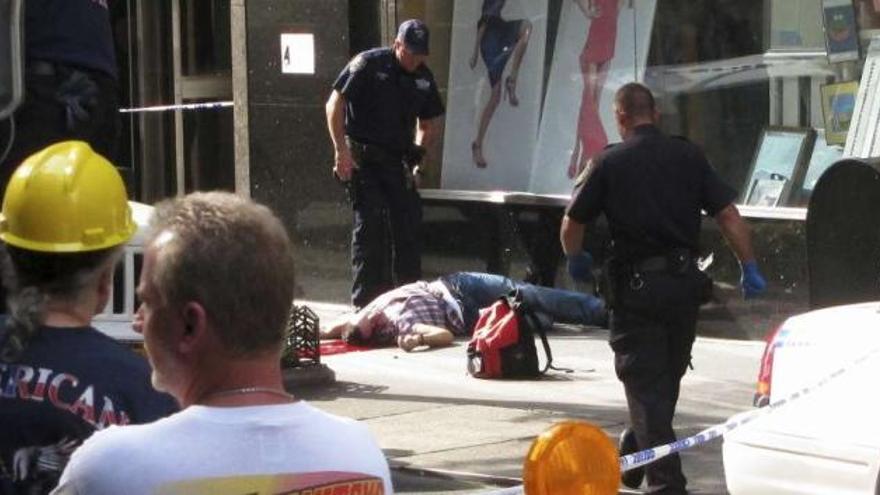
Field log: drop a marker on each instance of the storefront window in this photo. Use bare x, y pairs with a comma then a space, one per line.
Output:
796, 25
174, 54
205, 43
529, 84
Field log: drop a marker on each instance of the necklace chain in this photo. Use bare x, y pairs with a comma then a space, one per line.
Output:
245, 391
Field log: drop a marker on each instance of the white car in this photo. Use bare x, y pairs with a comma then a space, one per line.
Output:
825, 439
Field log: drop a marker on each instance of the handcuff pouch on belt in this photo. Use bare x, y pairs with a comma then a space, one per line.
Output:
654, 285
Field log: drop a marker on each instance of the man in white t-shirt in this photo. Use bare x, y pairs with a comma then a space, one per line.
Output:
215, 289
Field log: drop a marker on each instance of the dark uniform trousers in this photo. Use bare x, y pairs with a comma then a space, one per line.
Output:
61, 103
64, 102
383, 196
653, 326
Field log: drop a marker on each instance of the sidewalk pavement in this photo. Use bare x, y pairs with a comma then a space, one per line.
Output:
428, 415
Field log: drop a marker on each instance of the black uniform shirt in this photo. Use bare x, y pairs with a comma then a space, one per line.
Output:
74, 32
651, 188
383, 100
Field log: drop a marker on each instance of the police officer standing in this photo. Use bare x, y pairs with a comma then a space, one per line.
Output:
382, 115
652, 188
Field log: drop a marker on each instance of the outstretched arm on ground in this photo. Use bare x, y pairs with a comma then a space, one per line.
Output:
425, 335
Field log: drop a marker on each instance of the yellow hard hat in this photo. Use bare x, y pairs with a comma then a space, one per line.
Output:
66, 199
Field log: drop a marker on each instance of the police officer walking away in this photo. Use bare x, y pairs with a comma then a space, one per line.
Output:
382, 115
71, 89
652, 188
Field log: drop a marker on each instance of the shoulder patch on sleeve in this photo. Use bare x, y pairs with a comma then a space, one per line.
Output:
585, 173
357, 63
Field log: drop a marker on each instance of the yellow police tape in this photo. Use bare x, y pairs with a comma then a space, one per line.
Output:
572, 457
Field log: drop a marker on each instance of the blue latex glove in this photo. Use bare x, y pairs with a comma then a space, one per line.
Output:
580, 267
753, 283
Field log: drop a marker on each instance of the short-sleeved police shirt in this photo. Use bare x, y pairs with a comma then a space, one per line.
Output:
74, 32
652, 188
383, 100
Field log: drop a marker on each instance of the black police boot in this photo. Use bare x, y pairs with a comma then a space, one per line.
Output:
627, 445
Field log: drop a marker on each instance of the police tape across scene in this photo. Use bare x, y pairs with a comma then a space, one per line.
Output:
183, 106
647, 456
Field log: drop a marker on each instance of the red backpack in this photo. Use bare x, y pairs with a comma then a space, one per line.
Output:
503, 343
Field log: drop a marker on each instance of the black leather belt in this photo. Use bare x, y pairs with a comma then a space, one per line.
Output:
673, 261
373, 148
372, 152
652, 264
46, 68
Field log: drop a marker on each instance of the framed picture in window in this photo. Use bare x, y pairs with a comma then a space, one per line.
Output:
823, 156
767, 192
779, 162
841, 33
838, 104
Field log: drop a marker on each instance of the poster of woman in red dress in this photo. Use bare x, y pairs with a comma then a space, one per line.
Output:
600, 45
595, 60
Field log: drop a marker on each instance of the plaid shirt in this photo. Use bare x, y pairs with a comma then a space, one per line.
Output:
428, 303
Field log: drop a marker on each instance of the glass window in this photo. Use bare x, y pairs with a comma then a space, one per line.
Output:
205, 37
528, 84
796, 25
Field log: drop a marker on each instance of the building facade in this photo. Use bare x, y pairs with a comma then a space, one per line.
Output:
766, 87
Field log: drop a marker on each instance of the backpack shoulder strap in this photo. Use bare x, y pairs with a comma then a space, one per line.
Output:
535, 323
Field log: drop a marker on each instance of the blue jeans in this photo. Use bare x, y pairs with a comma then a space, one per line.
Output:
477, 290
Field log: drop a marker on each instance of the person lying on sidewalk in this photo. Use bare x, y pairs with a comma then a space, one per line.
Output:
433, 313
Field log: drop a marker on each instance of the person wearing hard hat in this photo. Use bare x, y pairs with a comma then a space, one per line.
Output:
71, 81
215, 291
64, 222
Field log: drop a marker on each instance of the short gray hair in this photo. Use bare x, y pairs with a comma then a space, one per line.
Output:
232, 256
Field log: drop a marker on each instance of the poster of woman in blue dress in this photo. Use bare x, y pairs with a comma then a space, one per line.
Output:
517, 123
493, 103
498, 40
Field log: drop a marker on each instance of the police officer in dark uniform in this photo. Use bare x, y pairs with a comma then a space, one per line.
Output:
71, 89
652, 188
382, 116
